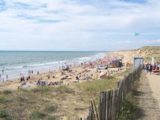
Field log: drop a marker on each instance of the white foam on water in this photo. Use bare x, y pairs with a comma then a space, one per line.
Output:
14, 71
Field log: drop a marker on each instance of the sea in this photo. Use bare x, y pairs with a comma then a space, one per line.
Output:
14, 63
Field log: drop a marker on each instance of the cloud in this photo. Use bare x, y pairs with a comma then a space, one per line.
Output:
78, 24
21, 5
38, 19
153, 41
135, 1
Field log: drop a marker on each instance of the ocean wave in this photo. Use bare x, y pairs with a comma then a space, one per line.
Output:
41, 64
52, 64
34, 65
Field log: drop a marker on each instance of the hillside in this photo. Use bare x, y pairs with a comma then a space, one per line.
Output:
146, 52
150, 51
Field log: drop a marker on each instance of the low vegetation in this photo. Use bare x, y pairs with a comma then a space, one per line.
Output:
129, 106
149, 51
98, 85
48, 103
52, 103
128, 110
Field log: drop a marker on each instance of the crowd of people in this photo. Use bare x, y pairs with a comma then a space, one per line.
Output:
152, 68
68, 73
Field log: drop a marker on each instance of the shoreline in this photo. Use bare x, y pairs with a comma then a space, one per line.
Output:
79, 73
13, 71
72, 97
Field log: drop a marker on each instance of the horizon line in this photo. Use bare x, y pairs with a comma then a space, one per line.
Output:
54, 51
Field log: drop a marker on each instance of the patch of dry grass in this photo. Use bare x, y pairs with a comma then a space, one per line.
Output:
31, 104
151, 51
52, 103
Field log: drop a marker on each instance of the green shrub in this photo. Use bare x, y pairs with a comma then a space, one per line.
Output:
37, 115
128, 109
50, 109
6, 92
4, 114
51, 118
98, 85
64, 89
3, 100
22, 99
41, 90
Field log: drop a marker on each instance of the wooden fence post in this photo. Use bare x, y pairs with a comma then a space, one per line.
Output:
111, 101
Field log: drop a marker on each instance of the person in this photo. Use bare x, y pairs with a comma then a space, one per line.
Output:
77, 78
150, 68
39, 82
3, 78
2, 71
7, 77
48, 76
28, 78
147, 67
22, 79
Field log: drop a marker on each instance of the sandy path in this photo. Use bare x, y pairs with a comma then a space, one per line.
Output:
154, 82
148, 95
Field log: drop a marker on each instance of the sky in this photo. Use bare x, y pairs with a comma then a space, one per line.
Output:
75, 25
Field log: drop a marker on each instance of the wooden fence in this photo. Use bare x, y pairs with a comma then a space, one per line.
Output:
111, 100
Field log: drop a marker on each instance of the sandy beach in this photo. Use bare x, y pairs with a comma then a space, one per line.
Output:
75, 74
86, 71
79, 59
68, 90
63, 92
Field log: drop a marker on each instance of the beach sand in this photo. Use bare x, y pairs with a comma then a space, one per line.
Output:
91, 82
86, 72
72, 99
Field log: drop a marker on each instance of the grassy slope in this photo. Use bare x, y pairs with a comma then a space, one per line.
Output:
150, 51
50, 103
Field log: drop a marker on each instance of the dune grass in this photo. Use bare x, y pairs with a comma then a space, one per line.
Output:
151, 51
52, 103
36, 104
98, 85
91, 90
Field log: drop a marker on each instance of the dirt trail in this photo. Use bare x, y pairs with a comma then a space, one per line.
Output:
148, 95
154, 82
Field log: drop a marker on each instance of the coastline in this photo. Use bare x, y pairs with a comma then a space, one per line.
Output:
57, 77
69, 95
13, 71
